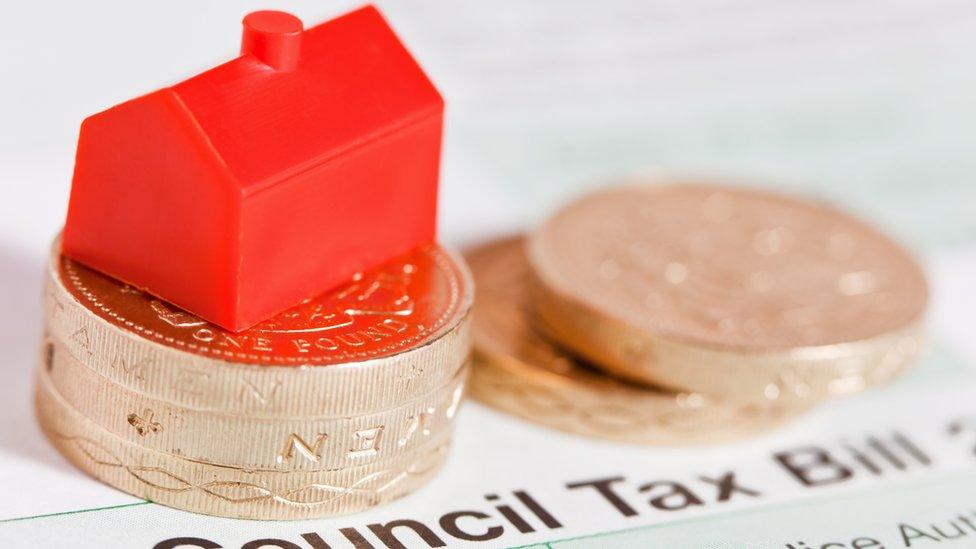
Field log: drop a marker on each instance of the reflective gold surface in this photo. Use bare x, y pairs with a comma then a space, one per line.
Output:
681, 285
405, 303
259, 424
234, 492
249, 440
170, 373
522, 373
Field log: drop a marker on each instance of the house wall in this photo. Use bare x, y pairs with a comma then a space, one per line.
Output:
317, 229
151, 205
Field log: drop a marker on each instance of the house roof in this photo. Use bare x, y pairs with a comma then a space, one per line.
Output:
354, 82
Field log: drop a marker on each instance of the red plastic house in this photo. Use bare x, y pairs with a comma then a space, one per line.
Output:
268, 179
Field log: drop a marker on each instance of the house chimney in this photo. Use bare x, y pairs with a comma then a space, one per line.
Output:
274, 37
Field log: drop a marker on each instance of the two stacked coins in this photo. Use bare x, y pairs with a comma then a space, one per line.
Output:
686, 313
342, 403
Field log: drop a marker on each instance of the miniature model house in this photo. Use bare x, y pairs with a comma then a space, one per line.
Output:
265, 180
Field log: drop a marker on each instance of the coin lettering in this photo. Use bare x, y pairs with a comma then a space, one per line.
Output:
376, 314
366, 442
295, 445
144, 424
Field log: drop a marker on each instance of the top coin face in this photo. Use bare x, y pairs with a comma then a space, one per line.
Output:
727, 268
400, 305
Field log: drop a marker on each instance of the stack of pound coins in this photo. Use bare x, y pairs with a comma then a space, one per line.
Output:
690, 313
342, 403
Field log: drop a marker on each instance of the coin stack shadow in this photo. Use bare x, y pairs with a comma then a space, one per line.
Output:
662, 314
343, 403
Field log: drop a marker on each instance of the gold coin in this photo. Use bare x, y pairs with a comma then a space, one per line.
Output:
144, 345
519, 372
345, 402
232, 491
727, 291
405, 303
252, 441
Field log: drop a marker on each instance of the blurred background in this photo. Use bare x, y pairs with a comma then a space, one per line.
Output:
866, 104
